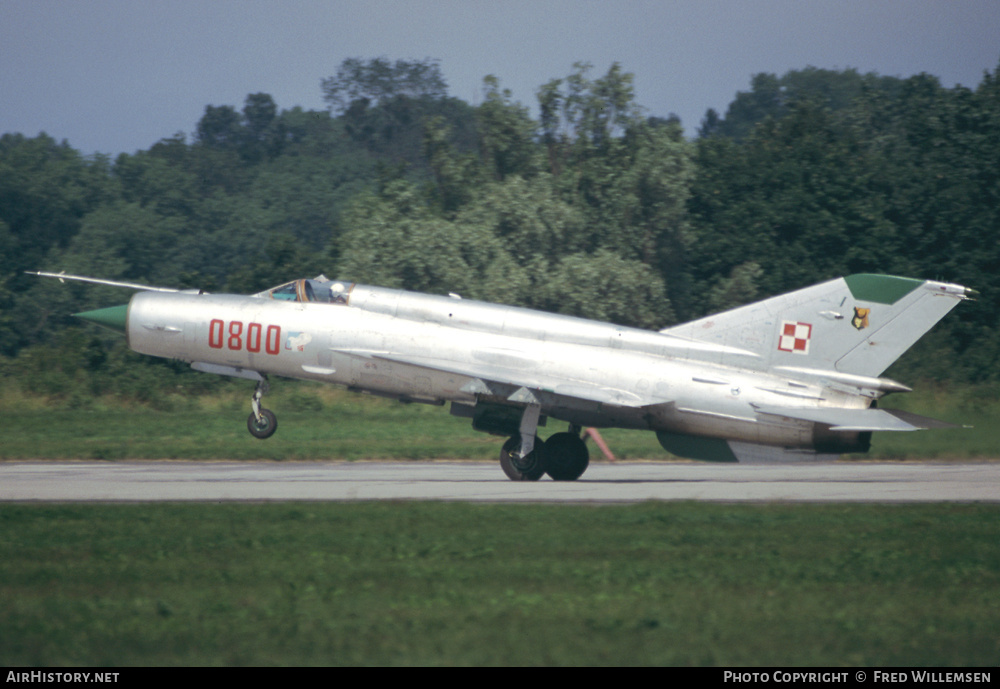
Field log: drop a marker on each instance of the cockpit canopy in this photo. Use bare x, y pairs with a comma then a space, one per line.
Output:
321, 290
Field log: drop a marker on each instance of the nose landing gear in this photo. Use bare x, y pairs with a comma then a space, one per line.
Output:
262, 423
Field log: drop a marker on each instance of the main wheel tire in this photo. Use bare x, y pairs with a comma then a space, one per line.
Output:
264, 428
565, 456
530, 468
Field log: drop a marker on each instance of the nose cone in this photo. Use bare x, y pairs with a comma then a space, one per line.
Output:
113, 317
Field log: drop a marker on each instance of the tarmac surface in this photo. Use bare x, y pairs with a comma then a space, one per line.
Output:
619, 482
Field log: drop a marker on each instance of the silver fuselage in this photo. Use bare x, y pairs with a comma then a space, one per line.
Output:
420, 347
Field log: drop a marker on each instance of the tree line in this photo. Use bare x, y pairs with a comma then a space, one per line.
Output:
594, 207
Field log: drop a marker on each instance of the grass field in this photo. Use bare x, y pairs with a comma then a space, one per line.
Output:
318, 422
454, 584
451, 584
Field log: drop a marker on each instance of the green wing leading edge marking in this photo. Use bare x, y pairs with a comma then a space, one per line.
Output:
881, 289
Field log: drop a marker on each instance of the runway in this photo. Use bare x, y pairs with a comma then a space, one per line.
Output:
619, 482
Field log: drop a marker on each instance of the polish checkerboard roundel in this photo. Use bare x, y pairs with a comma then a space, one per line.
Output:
794, 337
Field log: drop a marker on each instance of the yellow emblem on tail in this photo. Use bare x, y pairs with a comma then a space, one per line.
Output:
860, 320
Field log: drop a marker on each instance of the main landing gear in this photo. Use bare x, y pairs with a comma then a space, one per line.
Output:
262, 423
564, 456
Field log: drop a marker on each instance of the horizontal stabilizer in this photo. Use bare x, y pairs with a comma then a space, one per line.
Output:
858, 419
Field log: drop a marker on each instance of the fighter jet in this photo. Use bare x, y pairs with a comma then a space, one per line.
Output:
794, 377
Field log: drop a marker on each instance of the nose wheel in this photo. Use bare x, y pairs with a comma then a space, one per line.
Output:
263, 427
262, 423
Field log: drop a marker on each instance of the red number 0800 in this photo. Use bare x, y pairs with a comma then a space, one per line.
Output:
236, 337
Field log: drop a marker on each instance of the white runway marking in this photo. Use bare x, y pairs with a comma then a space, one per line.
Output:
484, 481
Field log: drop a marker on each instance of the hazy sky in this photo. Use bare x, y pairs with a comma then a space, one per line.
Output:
118, 75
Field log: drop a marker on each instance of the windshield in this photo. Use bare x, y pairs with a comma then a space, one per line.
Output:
320, 290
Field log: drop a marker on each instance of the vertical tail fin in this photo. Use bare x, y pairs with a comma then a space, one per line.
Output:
855, 325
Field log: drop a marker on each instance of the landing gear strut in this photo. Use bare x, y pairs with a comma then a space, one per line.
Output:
520, 457
262, 423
